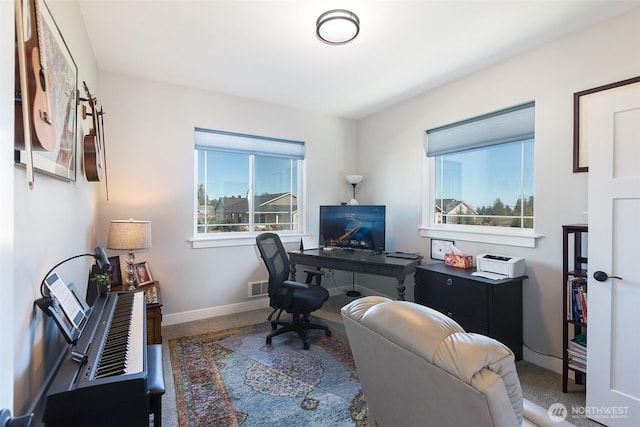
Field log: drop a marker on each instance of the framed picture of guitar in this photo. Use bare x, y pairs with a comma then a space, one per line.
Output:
51, 93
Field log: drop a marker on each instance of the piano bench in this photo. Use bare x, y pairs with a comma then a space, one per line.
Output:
155, 381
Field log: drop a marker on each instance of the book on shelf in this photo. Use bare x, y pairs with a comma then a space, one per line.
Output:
577, 353
577, 299
578, 366
577, 349
581, 340
577, 356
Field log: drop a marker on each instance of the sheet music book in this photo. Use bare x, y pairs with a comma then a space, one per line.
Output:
65, 298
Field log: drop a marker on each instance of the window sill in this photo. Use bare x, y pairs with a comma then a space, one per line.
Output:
228, 240
493, 235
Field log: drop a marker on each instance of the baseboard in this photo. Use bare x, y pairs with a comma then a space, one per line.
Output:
547, 362
254, 304
205, 313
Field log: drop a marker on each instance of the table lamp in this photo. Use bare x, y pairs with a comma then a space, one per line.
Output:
354, 180
129, 235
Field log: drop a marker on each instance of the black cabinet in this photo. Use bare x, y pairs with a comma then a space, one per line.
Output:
485, 306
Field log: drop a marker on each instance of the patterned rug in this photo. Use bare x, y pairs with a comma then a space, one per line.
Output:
232, 378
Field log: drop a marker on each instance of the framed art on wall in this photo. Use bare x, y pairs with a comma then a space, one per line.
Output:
52, 97
581, 102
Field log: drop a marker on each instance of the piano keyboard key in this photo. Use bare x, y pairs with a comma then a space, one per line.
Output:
123, 347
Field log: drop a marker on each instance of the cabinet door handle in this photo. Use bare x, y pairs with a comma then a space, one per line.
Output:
449, 281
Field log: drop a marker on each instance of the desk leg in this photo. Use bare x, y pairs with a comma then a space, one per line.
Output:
401, 288
292, 270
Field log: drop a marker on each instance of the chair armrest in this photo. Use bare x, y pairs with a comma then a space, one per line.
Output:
291, 287
314, 272
295, 285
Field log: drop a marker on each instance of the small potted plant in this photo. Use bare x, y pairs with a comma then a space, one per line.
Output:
102, 281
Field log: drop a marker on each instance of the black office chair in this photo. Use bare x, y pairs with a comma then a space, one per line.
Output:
297, 298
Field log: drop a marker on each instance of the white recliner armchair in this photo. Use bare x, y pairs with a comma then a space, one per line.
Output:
418, 367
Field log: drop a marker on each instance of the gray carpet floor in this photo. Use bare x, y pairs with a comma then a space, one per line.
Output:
539, 385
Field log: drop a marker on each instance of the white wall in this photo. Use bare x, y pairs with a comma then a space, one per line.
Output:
7, 46
53, 221
150, 158
391, 154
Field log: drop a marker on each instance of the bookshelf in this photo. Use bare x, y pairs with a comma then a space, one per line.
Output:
575, 315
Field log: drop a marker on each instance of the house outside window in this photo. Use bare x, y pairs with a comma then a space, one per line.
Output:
483, 173
246, 184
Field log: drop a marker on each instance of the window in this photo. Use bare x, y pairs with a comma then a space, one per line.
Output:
246, 184
483, 172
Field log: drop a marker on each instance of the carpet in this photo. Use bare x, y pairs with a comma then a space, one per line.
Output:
232, 378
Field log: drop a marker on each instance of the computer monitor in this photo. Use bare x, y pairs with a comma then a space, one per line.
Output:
353, 226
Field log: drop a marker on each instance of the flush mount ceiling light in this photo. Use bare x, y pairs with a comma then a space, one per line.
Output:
337, 26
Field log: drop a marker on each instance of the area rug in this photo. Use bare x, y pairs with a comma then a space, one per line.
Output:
232, 378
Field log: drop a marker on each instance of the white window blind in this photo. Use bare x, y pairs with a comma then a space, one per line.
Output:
508, 125
207, 139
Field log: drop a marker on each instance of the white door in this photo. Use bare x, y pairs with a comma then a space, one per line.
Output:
613, 337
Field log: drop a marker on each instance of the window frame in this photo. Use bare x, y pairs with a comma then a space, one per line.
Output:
245, 238
523, 237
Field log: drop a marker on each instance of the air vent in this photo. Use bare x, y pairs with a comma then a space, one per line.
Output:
258, 289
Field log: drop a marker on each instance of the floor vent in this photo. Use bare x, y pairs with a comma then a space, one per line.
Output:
258, 289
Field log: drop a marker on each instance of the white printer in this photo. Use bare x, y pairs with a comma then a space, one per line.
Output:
507, 266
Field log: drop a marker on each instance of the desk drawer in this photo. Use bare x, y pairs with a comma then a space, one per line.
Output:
452, 294
378, 269
469, 324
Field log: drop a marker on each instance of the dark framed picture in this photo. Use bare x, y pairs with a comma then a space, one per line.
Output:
52, 106
142, 273
580, 108
440, 247
114, 272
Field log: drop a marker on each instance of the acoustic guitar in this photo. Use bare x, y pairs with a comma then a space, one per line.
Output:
93, 159
40, 117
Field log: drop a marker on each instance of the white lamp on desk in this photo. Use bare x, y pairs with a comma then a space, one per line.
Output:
354, 180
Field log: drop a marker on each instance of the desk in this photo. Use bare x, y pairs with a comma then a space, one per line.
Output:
358, 262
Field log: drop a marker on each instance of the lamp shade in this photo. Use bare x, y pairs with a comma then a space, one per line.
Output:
354, 179
129, 235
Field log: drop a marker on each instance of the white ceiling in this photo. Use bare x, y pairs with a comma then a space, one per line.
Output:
267, 50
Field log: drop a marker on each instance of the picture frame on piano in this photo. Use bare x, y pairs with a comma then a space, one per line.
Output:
142, 273
113, 271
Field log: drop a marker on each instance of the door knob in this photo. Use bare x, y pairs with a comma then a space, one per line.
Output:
601, 276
